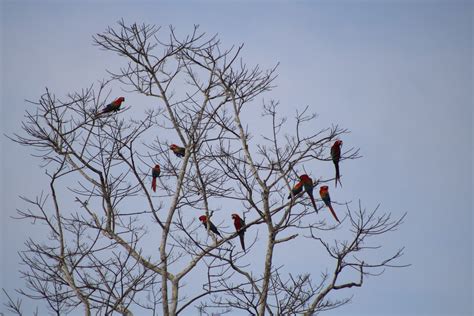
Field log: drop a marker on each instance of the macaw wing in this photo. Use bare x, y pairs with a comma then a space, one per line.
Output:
325, 197
308, 187
335, 152
242, 224
213, 228
296, 189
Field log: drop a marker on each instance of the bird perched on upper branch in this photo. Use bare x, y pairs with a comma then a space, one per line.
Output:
296, 189
212, 227
238, 224
308, 187
178, 151
324, 193
336, 156
114, 106
155, 173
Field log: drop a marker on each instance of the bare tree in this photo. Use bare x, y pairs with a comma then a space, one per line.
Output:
115, 246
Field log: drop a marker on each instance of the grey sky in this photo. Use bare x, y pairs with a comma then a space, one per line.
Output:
398, 74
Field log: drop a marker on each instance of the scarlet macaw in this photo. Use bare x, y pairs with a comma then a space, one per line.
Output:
324, 193
238, 224
336, 156
155, 173
178, 151
212, 227
114, 106
296, 189
308, 187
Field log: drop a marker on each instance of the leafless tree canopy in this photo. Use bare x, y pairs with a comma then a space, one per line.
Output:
112, 245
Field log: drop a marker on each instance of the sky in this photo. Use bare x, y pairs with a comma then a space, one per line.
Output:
397, 74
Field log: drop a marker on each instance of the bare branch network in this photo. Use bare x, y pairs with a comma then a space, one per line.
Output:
114, 245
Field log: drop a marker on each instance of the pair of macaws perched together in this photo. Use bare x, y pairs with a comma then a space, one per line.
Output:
156, 170
307, 183
239, 224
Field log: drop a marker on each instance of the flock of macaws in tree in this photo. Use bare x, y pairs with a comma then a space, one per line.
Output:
305, 182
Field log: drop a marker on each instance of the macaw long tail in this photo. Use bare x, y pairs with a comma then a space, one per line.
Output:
336, 164
98, 114
153, 184
334, 213
312, 201
106, 110
242, 240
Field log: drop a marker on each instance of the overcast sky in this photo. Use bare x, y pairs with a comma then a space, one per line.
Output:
398, 74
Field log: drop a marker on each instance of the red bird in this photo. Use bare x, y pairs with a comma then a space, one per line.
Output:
296, 189
336, 156
324, 193
178, 151
212, 227
238, 224
155, 173
308, 187
114, 106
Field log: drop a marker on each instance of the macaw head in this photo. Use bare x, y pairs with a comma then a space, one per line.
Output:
120, 100
338, 143
305, 178
235, 216
324, 188
203, 218
157, 167
173, 146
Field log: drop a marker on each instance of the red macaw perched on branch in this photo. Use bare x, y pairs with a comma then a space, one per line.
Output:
336, 156
212, 227
155, 173
324, 192
238, 224
114, 106
178, 151
308, 187
296, 189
